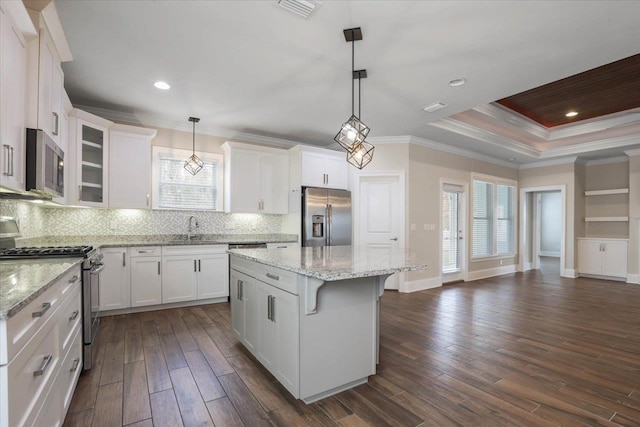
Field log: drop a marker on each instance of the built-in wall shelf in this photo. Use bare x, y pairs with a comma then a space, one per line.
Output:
92, 144
606, 192
91, 184
92, 165
607, 219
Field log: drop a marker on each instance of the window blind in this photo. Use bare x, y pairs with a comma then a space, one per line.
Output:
505, 219
450, 249
482, 219
178, 189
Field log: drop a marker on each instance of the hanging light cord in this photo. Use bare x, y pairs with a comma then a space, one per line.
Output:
359, 97
353, 54
194, 137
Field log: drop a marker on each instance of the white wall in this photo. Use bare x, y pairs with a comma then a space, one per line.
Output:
550, 223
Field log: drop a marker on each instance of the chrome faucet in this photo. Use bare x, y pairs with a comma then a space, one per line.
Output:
193, 226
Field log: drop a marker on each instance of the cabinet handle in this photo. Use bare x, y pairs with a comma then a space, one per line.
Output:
195, 266
56, 123
604, 247
146, 252
74, 279
272, 308
147, 200
79, 192
74, 316
240, 289
74, 367
327, 179
11, 152
269, 307
7, 164
158, 268
124, 259
45, 307
273, 276
199, 265
45, 364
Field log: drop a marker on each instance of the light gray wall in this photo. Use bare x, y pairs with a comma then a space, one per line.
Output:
550, 222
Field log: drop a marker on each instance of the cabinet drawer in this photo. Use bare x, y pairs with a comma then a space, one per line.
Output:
24, 324
69, 319
70, 370
194, 249
282, 279
146, 251
28, 377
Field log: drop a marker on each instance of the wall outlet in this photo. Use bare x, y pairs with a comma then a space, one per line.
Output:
413, 227
113, 225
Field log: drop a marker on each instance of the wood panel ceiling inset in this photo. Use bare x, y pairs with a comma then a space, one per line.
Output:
604, 90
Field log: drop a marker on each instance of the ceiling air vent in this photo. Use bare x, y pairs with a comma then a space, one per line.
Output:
302, 8
434, 107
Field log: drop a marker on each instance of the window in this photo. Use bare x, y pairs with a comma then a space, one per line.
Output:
175, 188
493, 218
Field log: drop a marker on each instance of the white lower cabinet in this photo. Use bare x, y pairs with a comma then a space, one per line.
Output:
115, 283
146, 275
603, 257
37, 383
194, 272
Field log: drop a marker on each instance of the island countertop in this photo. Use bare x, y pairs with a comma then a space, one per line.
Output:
22, 281
332, 263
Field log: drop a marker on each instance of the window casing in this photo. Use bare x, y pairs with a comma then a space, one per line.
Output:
494, 214
175, 188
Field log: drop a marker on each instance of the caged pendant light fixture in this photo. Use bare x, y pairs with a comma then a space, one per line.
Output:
353, 132
193, 164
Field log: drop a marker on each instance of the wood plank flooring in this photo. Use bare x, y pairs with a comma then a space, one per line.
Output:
526, 349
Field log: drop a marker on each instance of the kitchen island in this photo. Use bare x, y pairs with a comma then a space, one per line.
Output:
310, 315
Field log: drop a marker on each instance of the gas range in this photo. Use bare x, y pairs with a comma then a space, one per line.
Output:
45, 252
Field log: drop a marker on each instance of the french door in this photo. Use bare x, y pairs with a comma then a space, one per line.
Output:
452, 232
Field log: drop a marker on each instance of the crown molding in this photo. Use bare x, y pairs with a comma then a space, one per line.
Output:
517, 120
603, 144
620, 159
474, 132
422, 142
149, 120
631, 153
551, 162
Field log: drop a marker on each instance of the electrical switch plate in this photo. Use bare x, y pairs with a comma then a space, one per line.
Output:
113, 225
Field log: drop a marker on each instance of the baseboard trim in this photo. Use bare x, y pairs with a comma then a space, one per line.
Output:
491, 272
420, 284
549, 253
633, 278
162, 306
571, 273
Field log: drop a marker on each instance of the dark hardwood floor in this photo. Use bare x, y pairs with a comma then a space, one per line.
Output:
518, 350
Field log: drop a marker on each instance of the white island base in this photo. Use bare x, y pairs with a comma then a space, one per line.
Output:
316, 337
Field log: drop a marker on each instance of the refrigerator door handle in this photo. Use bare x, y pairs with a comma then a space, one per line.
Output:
329, 223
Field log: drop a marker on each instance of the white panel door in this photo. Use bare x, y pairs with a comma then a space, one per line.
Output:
129, 171
251, 313
380, 203
286, 322
179, 278
267, 348
213, 276
146, 281
590, 256
615, 258
115, 290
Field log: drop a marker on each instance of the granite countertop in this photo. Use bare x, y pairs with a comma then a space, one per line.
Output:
22, 281
331, 263
113, 241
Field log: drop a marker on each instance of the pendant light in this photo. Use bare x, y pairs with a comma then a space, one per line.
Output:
353, 131
193, 164
361, 154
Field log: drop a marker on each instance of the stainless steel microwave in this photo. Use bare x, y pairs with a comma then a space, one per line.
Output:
45, 164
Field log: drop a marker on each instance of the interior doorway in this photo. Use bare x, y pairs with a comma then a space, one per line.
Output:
379, 214
452, 226
542, 237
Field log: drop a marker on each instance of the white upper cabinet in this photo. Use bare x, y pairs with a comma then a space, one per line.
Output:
130, 167
256, 179
13, 92
45, 77
89, 135
316, 167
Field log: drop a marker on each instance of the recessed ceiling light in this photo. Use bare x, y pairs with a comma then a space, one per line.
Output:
457, 82
571, 114
434, 107
162, 85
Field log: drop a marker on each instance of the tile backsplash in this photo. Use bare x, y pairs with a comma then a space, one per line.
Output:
40, 221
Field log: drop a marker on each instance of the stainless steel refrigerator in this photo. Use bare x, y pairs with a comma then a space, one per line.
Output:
326, 217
